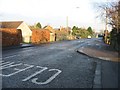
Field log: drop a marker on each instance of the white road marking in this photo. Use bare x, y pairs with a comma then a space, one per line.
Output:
10, 56
34, 80
10, 65
36, 73
97, 44
18, 71
4, 63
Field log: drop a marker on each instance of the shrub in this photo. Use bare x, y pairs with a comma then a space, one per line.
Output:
40, 36
62, 35
11, 36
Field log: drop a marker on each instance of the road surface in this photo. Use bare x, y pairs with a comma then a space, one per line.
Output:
55, 65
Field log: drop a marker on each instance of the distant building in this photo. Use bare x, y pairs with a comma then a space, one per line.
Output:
26, 32
52, 32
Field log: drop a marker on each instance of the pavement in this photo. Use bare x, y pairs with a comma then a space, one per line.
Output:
101, 54
107, 72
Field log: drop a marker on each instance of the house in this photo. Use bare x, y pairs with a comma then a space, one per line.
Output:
26, 32
52, 32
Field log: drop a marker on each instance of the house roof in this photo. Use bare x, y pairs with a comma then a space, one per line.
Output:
10, 24
50, 29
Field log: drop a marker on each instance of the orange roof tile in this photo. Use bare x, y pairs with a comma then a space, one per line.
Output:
10, 24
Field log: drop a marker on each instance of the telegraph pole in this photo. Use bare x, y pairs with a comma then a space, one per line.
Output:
67, 22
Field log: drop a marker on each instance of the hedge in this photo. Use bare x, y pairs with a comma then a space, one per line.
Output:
10, 36
40, 36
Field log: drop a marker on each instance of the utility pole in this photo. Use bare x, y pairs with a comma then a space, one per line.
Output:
70, 31
67, 23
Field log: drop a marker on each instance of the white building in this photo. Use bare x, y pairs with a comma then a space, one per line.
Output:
26, 32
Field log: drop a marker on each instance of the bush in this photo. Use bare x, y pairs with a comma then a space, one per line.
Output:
118, 41
62, 35
40, 36
11, 36
81, 32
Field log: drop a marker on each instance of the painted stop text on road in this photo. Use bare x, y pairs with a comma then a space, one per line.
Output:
17, 68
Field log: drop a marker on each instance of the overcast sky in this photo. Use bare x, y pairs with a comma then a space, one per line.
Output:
52, 12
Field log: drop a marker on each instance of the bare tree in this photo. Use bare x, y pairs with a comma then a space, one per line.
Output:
110, 13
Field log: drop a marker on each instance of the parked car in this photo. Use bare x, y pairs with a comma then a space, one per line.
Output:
100, 35
89, 36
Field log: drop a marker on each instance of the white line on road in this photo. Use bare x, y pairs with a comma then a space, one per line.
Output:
4, 63
17, 71
34, 80
10, 65
10, 56
42, 69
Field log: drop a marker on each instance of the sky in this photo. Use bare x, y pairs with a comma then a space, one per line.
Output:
80, 13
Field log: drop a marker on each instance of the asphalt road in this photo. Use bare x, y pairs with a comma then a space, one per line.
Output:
55, 65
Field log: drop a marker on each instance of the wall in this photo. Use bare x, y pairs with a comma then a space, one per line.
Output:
26, 32
52, 37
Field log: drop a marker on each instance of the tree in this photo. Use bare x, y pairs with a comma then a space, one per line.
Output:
109, 11
81, 32
38, 25
35, 26
74, 30
112, 17
119, 16
90, 30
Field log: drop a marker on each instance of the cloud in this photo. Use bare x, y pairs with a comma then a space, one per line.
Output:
52, 12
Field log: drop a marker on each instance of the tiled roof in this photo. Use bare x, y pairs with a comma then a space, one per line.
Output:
10, 24
41, 30
50, 29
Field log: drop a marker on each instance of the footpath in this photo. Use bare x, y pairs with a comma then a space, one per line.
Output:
107, 73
